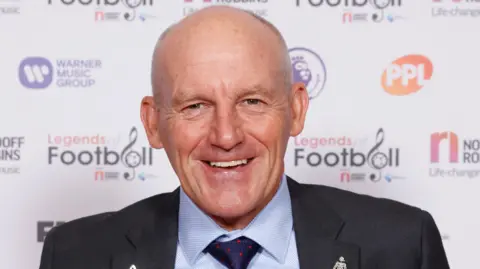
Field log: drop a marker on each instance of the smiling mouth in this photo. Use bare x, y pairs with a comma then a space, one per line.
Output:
229, 164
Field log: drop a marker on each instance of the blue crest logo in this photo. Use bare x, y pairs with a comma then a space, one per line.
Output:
308, 68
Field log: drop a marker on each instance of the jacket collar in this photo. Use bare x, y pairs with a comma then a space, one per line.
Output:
317, 227
153, 239
316, 224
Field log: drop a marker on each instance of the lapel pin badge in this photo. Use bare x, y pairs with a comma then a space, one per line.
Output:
133, 267
341, 264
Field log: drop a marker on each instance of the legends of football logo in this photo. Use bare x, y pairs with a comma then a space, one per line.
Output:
356, 162
360, 11
110, 162
113, 10
308, 67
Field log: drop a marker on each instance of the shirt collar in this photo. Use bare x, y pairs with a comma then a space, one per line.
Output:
271, 228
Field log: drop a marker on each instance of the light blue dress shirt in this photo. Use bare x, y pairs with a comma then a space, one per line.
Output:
272, 229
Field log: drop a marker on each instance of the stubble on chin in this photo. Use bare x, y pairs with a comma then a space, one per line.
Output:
229, 199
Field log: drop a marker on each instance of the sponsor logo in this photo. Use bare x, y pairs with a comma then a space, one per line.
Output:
355, 162
10, 154
110, 161
454, 157
113, 10
308, 67
253, 6
43, 227
407, 74
40, 73
358, 11
35, 72
9, 7
456, 9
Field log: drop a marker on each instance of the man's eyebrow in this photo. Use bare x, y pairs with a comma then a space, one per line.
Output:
187, 94
255, 89
180, 97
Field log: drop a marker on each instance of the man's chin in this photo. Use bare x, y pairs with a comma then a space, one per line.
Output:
230, 210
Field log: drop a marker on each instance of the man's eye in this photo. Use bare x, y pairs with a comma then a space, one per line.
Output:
195, 106
252, 101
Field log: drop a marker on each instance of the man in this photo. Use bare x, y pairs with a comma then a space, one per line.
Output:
223, 108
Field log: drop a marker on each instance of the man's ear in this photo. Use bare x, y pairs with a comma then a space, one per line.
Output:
299, 107
150, 119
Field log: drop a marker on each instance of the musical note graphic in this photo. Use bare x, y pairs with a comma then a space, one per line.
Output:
375, 159
130, 158
132, 4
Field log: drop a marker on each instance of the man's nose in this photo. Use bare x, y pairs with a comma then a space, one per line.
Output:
226, 132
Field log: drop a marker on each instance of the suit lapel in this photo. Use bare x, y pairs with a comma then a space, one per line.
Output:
317, 227
154, 243
316, 224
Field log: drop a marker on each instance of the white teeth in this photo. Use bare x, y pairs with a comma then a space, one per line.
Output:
228, 164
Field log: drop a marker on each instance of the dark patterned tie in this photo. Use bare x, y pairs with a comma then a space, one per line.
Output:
235, 254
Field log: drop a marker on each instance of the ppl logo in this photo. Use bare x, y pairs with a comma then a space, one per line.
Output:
308, 67
407, 75
35, 72
464, 152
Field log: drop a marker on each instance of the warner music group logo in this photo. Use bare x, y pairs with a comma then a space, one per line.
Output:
10, 154
462, 156
40, 73
353, 161
354, 10
111, 162
407, 74
253, 6
456, 8
113, 10
308, 67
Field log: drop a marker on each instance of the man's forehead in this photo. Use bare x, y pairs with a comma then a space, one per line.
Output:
219, 25
201, 38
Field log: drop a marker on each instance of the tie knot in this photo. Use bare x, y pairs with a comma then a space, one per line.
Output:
235, 254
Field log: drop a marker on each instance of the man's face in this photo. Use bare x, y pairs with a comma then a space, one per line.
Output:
224, 119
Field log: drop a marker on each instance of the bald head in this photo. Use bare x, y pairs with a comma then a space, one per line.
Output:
218, 28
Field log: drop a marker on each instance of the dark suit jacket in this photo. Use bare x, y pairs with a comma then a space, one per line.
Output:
370, 233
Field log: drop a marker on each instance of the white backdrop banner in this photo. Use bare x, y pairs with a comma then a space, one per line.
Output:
393, 87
